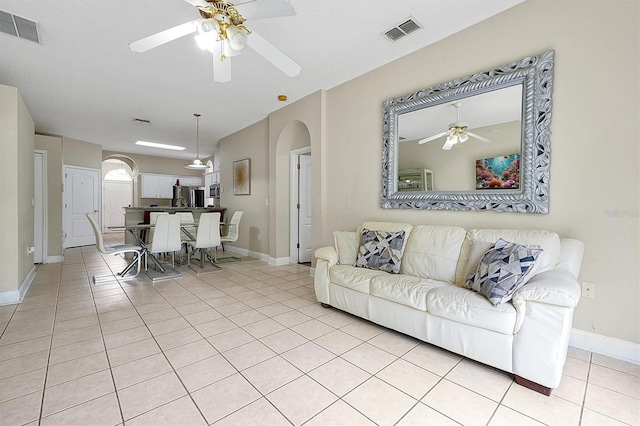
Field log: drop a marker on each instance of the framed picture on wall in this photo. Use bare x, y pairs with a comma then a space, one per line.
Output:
242, 177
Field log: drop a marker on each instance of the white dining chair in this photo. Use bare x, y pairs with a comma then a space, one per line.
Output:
114, 250
166, 237
153, 217
187, 225
232, 231
207, 238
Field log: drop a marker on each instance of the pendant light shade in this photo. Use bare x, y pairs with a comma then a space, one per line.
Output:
197, 164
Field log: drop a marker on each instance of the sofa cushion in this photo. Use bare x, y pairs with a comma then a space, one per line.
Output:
381, 250
502, 270
357, 279
432, 252
468, 307
346, 243
404, 289
546, 240
388, 227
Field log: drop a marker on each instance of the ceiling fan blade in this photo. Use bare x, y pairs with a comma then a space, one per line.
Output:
221, 68
273, 55
449, 144
473, 135
432, 138
264, 9
197, 3
163, 37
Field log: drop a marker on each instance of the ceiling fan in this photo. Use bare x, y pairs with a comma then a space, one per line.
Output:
458, 132
221, 31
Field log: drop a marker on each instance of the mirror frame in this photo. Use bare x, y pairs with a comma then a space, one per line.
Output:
535, 74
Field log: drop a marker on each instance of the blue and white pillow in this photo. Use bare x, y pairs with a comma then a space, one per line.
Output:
381, 250
502, 270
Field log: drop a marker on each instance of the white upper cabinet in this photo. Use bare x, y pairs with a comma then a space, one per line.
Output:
190, 181
156, 186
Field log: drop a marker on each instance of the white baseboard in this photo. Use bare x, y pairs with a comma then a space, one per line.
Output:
54, 259
273, 261
604, 345
279, 261
15, 296
250, 253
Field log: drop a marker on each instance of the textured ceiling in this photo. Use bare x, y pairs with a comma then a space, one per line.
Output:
83, 82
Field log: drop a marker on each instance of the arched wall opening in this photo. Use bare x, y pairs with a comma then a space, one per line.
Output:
294, 135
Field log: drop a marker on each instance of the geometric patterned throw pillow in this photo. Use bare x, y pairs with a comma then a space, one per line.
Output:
502, 270
381, 250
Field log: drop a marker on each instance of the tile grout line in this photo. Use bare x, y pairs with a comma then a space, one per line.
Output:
53, 325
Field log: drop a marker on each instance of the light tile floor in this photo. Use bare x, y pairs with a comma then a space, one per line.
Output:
249, 345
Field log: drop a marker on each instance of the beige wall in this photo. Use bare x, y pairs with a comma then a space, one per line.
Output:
80, 153
53, 146
157, 164
594, 174
16, 167
248, 143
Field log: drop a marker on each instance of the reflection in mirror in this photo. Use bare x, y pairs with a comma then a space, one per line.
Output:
480, 142
494, 116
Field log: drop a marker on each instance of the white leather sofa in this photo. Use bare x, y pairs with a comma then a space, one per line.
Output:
527, 336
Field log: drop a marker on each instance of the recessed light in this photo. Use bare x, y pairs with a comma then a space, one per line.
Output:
282, 98
161, 145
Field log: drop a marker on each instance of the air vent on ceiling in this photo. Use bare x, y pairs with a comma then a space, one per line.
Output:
18, 26
403, 29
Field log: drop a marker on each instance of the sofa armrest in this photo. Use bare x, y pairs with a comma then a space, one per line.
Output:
327, 253
554, 287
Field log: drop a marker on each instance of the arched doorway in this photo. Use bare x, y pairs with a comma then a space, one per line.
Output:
293, 148
117, 190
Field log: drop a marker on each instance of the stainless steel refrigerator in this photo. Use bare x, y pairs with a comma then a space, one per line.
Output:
187, 196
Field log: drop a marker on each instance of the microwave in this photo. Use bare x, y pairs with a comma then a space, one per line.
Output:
214, 190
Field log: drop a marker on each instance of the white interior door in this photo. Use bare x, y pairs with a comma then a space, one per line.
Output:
117, 195
304, 213
81, 196
39, 202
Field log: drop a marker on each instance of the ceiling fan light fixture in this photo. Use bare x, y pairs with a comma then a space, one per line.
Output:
197, 163
237, 37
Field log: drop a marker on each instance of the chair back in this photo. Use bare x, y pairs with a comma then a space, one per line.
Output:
186, 218
166, 235
97, 232
153, 217
208, 234
234, 225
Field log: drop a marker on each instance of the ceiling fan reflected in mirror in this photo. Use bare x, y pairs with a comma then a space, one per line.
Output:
222, 32
457, 134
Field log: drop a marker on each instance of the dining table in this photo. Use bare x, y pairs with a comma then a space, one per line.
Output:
134, 230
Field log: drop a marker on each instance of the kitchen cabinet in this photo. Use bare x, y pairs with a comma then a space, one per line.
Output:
190, 180
156, 186
211, 178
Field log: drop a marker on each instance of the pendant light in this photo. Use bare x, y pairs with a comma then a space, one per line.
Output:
197, 164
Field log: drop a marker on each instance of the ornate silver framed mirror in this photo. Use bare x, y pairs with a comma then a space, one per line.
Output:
479, 142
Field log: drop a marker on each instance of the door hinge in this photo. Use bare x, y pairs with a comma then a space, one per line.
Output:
298, 245
298, 166
298, 206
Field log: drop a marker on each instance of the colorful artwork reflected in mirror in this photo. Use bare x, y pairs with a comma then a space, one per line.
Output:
502, 172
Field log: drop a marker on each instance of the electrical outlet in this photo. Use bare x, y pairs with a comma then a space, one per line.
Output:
588, 289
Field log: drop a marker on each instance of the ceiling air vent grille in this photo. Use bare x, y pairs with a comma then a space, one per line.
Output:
403, 29
18, 26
